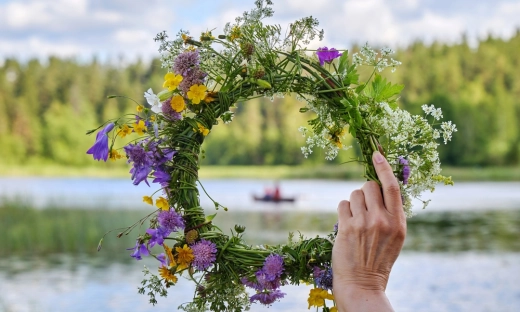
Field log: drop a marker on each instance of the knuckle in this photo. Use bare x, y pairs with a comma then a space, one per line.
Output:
393, 190
356, 193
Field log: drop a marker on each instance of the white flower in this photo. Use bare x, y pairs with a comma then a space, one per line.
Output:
437, 113
153, 100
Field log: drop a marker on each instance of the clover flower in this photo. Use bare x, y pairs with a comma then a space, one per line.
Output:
170, 221
187, 65
100, 148
273, 267
323, 278
169, 112
205, 254
326, 55
267, 297
139, 250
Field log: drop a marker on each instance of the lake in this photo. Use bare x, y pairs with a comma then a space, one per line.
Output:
461, 254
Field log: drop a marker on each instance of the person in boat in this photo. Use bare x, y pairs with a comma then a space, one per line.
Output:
268, 194
277, 195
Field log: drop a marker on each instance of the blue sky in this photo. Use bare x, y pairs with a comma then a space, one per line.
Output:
110, 28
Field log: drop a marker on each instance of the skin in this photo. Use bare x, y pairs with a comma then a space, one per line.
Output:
371, 233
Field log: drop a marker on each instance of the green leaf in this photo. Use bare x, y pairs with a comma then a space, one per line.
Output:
352, 76
343, 63
381, 90
360, 88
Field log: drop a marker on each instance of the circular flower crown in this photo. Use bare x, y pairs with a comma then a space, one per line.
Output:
206, 77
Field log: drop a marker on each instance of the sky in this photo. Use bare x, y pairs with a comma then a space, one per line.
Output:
109, 29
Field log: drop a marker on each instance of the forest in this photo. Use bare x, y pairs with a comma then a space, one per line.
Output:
46, 107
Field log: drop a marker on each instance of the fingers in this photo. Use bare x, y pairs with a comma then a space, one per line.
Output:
373, 196
344, 210
357, 203
390, 186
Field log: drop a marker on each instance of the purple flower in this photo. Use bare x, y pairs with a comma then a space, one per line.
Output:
326, 55
267, 297
100, 148
139, 250
323, 278
170, 221
405, 173
205, 254
162, 258
157, 236
169, 112
336, 227
142, 160
187, 65
161, 177
273, 267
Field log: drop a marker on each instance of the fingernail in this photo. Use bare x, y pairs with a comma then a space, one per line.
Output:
378, 158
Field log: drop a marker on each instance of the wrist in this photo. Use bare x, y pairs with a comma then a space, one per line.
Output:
359, 299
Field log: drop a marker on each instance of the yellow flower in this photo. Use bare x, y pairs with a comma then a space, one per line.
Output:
185, 37
152, 118
210, 97
184, 255
139, 127
148, 200
197, 93
167, 275
317, 297
201, 129
235, 33
124, 131
172, 81
139, 108
168, 252
162, 203
333, 309
177, 103
114, 155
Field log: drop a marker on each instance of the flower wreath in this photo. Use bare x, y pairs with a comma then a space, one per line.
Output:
202, 84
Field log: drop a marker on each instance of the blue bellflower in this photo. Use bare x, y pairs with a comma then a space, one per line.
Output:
100, 148
139, 250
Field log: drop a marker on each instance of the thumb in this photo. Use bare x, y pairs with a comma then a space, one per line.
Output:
389, 184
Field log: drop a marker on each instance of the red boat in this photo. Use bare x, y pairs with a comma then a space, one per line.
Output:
273, 200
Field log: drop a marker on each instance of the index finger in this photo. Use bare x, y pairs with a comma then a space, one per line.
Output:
390, 186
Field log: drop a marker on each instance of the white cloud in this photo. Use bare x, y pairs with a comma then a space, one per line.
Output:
115, 27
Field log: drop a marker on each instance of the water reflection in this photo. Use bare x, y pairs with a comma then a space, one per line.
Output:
420, 281
497, 230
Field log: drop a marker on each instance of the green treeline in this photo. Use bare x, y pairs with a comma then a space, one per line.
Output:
46, 107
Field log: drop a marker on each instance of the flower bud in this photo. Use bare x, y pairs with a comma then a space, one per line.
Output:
263, 84
164, 95
239, 228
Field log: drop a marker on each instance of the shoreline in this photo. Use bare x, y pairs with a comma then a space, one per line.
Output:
327, 172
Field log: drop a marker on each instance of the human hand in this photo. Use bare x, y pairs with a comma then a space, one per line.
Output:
371, 233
